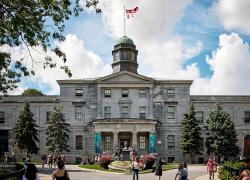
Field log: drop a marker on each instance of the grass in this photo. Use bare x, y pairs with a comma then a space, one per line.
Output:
97, 167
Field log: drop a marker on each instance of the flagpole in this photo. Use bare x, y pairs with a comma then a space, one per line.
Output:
124, 22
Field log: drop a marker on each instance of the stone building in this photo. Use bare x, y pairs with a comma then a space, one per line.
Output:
124, 106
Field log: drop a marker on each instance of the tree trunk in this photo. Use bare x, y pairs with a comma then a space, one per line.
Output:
191, 158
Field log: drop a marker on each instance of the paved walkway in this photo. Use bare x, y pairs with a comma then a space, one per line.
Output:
76, 173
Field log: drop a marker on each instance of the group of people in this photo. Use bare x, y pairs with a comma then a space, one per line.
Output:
31, 171
51, 160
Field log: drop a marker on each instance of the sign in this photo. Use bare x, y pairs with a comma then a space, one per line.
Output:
152, 142
98, 142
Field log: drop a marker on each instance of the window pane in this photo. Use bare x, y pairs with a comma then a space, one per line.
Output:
199, 116
78, 92
1, 117
78, 112
124, 112
116, 56
247, 117
48, 113
171, 112
142, 112
170, 92
142, 142
107, 142
142, 93
171, 142
107, 112
124, 92
79, 142
125, 55
107, 93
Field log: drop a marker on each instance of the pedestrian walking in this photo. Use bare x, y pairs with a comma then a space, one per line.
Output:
60, 173
43, 159
185, 167
27, 162
182, 173
211, 168
158, 168
50, 160
135, 168
31, 173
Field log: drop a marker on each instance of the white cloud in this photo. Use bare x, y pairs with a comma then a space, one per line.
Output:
234, 14
230, 64
82, 62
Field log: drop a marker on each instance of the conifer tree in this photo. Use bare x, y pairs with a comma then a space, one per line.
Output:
222, 137
190, 139
57, 132
25, 131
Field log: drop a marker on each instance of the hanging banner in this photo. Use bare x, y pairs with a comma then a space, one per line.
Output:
98, 142
152, 142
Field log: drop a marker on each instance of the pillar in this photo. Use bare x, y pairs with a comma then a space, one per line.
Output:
134, 140
115, 144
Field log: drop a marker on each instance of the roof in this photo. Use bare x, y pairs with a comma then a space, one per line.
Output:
125, 40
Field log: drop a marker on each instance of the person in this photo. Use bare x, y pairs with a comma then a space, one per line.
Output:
43, 158
54, 159
31, 173
185, 167
182, 173
244, 175
60, 173
27, 162
211, 168
158, 168
135, 168
49, 160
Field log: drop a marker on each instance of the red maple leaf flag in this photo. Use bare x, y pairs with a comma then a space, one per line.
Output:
131, 12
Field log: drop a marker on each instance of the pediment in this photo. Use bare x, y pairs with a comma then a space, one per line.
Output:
125, 76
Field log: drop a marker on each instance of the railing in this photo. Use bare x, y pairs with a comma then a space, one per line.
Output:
11, 171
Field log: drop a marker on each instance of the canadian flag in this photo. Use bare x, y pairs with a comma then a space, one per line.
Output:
131, 12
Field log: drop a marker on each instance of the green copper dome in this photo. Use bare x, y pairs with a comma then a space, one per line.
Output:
125, 40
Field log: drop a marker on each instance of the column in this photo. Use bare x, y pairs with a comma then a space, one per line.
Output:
134, 140
115, 139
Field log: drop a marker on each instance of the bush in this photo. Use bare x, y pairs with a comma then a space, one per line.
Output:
104, 161
148, 161
225, 175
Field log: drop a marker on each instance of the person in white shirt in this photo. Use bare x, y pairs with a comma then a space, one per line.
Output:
135, 168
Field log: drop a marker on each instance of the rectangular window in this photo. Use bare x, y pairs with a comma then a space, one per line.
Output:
107, 112
247, 117
171, 112
170, 92
142, 93
142, 142
171, 142
124, 92
107, 92
125, 55
78, 92
48, 113
171, 159
79, 142
79, 112
107, 142
2, 118
142, 112
124, 111
200, 116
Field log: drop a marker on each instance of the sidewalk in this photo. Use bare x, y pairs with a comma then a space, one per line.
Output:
206, 177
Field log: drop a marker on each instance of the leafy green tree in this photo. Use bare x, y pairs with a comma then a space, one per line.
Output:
222, 137
190, 139
32, 92
25, 131
57, 131
32, 23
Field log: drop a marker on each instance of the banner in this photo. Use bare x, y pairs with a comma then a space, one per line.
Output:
152, 142
98, 142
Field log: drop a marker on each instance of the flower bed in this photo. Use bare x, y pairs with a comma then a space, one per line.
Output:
122, 165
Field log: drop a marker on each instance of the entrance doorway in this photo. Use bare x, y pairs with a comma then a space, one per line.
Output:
125, 137
247, 146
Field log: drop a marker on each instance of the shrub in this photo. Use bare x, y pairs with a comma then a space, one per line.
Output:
148, 161
104, 161
225, 175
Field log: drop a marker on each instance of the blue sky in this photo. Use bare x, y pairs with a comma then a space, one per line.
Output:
190, 38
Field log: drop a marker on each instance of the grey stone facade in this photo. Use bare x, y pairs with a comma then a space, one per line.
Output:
135, 108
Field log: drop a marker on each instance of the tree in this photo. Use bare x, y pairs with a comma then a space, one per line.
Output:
190, 139
32, 92
222, 137
57, 132
30, 23
25, 131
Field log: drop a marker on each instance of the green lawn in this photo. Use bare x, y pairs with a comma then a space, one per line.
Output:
97, 167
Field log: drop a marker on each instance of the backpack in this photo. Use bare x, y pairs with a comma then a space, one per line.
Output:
183, 173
